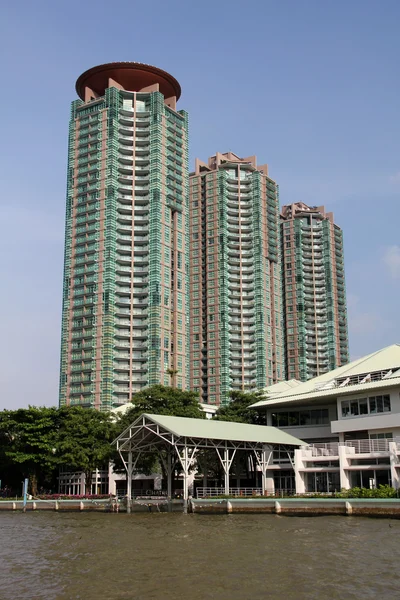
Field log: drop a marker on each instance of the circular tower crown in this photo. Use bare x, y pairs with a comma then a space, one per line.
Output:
132, 76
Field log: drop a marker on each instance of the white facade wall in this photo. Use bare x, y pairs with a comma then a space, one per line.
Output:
388, 422
344, 459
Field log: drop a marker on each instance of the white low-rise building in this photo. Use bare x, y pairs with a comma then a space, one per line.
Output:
350, 418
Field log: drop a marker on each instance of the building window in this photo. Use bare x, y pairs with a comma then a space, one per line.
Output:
365, 406
319, 416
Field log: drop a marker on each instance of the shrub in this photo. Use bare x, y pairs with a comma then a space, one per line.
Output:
383, 491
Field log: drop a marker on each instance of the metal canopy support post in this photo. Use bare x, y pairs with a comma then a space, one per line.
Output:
263, 458
185, 479
186, 462
129, 483
226, 463
129, 467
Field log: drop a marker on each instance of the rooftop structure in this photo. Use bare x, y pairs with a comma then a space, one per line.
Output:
131, 76
376, 371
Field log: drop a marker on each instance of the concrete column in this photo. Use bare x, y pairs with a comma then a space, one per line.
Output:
299, 475
112, 485
269, 481
90, 94
345, 453
394, 460
82, 484
265, 460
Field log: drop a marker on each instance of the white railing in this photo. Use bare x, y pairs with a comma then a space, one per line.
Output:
367, 446
360, 446
323, 449
213, 492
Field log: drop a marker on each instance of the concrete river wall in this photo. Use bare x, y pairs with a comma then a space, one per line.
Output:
101, 505
372, 507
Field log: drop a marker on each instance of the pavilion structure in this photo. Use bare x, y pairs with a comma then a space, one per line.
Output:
179, 439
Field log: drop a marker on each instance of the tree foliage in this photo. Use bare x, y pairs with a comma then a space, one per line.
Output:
84, 439
36, 441
162, 400
238, 409
27, 438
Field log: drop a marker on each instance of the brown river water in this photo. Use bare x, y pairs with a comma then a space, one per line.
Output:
68, 556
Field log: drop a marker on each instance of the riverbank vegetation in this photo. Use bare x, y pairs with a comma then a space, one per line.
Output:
36, 441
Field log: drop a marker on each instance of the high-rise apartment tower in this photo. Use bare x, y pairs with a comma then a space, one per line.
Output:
314, 291
236, 337
125, 294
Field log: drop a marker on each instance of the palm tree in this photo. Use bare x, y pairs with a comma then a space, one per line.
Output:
172, 373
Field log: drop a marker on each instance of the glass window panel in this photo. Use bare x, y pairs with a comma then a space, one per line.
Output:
345, 409
372, 405
363, 406
283, 419
386, 404
379, 404
305, 417
354, 408
293, 419
324, 415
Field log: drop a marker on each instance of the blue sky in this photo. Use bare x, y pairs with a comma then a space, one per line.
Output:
309, 86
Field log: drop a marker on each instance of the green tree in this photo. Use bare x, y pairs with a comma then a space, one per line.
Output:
27, 440
238, 408
84, 439
162, 400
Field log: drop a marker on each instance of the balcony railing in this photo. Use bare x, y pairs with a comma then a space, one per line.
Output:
323, 449
213, 492
365, 446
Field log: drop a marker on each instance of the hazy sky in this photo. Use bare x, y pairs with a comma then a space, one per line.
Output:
309, 86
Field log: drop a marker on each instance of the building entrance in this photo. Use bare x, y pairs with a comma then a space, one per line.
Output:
284, 481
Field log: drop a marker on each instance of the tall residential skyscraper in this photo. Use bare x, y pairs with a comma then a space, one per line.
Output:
314, 291
125, 295
236, 337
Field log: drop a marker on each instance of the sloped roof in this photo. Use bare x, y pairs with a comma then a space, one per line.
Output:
282, 386
183, 427
324, 386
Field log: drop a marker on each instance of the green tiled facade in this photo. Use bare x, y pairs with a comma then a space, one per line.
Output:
125, 292
236, 335
314, 292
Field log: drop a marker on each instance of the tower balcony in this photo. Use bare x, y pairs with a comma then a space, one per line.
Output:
126, 140
124, 228
122, 259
